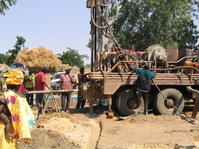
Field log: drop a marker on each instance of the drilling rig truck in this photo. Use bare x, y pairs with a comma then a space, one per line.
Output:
111, 77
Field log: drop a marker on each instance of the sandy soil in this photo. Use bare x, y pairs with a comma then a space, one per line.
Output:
77, 130
63, 131
71, 130
148, 132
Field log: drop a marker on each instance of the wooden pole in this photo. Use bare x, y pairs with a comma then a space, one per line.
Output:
49, 91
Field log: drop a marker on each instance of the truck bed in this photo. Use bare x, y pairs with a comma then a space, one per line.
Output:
112, 81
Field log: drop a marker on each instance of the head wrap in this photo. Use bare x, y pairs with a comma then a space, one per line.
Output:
14, 77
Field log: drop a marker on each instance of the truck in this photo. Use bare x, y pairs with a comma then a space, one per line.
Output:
111, 77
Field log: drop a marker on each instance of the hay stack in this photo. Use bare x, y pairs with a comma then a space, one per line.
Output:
39, 58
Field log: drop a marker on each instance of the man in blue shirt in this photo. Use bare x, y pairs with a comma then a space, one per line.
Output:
143, 84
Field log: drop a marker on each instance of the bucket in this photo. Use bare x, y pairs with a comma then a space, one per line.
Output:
104, 102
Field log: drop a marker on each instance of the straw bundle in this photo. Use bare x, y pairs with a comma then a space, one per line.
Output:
39, 58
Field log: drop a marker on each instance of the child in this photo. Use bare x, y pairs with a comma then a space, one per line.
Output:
5, 117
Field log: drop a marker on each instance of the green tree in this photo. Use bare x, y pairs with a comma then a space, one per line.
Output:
168, 22
72, 57
3, 58
20, 44
6, 4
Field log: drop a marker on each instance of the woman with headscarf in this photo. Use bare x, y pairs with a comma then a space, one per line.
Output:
20, 114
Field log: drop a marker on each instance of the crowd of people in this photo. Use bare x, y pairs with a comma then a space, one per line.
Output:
38, 82
16, 115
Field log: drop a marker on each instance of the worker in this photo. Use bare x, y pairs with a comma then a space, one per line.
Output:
16, 115
40, 85
81, 80
29, 83
143, 84
21, 89
66, 83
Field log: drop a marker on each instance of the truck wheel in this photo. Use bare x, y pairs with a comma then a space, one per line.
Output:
127, 103
174, 97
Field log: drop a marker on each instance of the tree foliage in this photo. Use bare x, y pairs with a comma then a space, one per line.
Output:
72, 57
6, 4
3, 58
146, 22
20, 44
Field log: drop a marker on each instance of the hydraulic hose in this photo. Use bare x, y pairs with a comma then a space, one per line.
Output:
108, 25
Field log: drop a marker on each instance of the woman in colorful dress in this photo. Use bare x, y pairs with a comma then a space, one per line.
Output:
21, 116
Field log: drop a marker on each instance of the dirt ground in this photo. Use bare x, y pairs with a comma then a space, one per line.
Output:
61, 131
148, 132
78, 130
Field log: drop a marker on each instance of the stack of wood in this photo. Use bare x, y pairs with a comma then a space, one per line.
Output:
39, 58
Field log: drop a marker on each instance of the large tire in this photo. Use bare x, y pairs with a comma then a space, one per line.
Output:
174, 96
127, 103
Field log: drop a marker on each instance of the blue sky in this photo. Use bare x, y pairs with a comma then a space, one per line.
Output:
54, 25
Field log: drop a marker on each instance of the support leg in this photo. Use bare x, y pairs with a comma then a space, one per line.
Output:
58, 108
54, 102
46, 105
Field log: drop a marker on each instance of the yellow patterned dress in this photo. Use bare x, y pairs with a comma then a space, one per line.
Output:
22, 119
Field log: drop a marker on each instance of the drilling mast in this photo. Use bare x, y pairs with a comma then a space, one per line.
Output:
101, 32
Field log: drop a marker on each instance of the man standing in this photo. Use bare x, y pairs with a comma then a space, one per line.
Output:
66, 81
29, 82
143, 84
40, 85
81, 80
